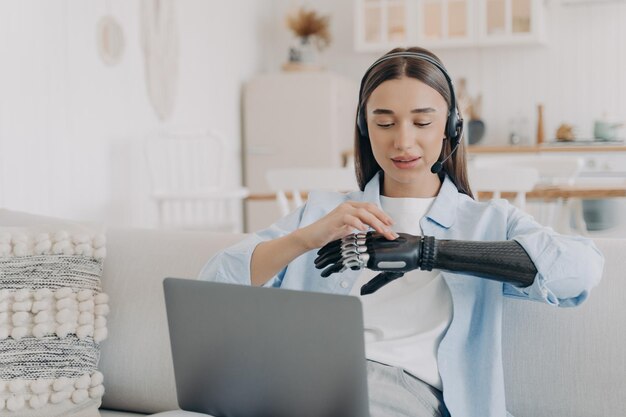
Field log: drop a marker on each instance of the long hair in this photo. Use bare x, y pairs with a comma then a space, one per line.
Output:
394, 68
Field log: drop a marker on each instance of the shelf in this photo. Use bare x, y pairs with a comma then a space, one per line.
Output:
589, 2
600, 147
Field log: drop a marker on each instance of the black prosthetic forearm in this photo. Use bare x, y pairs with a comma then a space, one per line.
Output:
504, 261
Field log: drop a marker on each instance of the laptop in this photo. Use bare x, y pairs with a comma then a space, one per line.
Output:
242, 351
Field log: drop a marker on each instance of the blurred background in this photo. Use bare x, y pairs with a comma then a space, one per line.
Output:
112, 109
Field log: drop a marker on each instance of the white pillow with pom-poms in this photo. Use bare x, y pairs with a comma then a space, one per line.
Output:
52, 320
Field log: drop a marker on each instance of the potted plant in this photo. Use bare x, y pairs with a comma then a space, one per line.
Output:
312, 35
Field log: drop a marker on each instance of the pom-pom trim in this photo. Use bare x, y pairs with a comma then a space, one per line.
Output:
19, 394
42, 312
57, 243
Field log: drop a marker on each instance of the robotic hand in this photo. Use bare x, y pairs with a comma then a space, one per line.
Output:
373, 251
504, 261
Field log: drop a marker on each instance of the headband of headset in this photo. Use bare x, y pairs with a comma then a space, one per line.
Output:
454, 124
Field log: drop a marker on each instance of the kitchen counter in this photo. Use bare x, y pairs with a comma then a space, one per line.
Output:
556, 147
604, 159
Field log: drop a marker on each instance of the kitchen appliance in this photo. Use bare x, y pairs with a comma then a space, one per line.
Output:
293, 120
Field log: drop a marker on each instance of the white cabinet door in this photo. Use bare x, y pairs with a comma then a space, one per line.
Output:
506, 22
382, 24
445, 23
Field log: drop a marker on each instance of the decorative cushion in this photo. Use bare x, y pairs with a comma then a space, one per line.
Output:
52, 320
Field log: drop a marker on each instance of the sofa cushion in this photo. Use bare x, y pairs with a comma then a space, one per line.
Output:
52, 318
569, 361
136, 358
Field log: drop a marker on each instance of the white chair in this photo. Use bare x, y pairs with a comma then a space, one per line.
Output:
299, 180
187, 183
504, 179
553, 171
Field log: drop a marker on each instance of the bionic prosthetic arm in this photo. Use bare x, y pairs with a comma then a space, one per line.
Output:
504, 261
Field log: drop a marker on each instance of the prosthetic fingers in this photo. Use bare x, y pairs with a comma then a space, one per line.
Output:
504, 261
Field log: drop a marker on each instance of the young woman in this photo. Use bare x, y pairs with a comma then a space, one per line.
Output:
433, 338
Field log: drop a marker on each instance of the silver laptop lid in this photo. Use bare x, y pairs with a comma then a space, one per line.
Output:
243, 351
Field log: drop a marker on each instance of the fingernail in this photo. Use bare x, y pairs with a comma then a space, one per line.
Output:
392, 233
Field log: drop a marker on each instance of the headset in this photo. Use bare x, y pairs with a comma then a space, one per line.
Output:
454, 124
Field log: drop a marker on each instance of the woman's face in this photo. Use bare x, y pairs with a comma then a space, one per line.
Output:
406, 121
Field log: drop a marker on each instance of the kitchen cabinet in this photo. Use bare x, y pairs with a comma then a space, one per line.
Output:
601, 160
381, 25
445, 23
506, 22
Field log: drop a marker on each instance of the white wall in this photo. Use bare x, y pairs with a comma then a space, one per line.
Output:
71, 127
578, 75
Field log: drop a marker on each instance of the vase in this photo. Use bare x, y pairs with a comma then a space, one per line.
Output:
475, 131
303, 52
540, 134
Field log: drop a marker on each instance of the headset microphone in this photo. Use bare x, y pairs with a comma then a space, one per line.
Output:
438, 166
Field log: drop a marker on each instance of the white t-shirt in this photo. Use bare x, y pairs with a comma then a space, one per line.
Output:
406, 319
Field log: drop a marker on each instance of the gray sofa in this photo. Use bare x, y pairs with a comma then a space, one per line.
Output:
558, 362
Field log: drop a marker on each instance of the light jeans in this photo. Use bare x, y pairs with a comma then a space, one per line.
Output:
396, 393
392, 393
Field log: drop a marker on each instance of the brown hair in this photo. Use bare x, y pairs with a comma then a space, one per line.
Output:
393, 68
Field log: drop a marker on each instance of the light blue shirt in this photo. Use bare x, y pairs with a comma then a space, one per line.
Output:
470, 353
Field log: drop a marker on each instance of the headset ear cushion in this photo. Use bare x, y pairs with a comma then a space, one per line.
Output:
454, 128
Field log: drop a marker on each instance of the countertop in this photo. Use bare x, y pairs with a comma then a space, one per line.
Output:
550, 147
